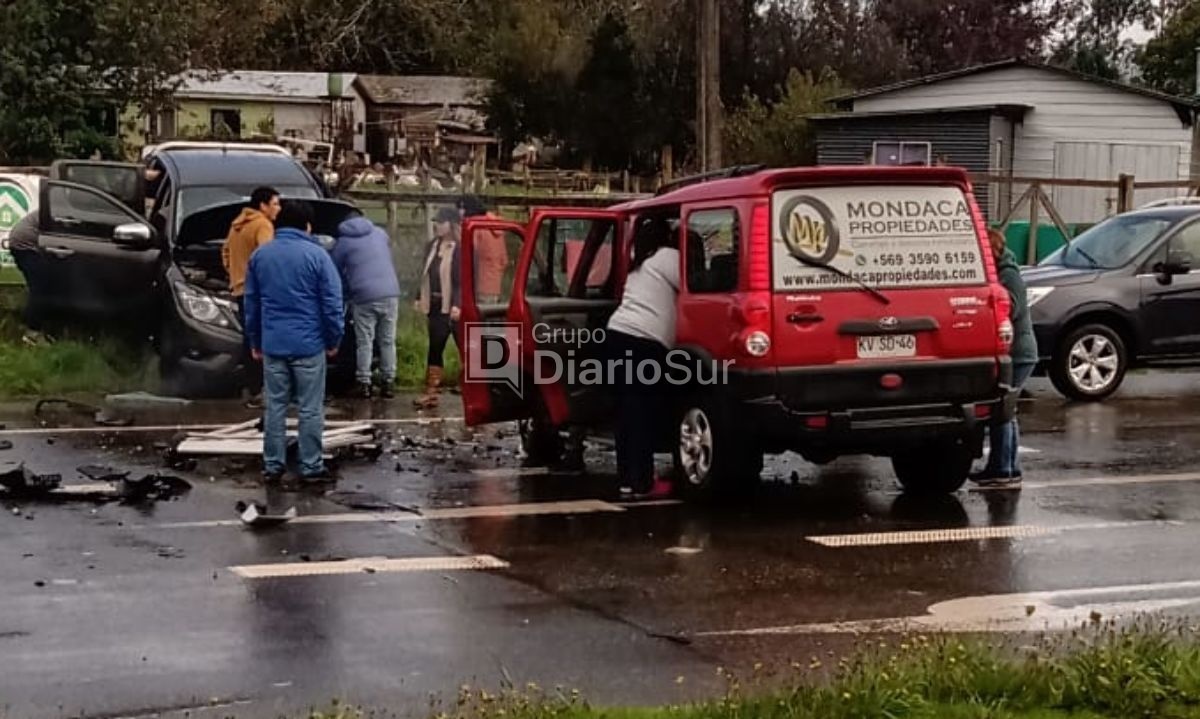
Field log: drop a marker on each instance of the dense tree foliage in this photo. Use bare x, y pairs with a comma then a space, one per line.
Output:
611, 80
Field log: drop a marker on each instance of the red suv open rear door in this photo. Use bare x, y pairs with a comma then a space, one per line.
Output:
493, 385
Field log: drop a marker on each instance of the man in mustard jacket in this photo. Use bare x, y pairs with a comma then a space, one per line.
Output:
252, 229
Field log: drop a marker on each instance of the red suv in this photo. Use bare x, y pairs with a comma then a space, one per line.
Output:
838, 310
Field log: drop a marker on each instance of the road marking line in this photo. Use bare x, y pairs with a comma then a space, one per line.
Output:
1020, 450
41, 431
369, 565
587, 506
1101, 481
966, 534
1023, 612
507, 472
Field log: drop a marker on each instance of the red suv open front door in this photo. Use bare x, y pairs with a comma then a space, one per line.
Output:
566, 291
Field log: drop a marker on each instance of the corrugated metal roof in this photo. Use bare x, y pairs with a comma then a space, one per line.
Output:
424, 89
1180, 103
255, 84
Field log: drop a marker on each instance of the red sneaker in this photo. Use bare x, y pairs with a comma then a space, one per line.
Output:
660, 489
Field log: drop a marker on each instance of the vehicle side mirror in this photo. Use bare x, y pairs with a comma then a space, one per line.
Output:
134, 235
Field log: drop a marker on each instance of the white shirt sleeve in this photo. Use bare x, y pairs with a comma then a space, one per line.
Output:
666, 262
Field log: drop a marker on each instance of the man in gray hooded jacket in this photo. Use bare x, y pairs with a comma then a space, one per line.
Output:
363, 256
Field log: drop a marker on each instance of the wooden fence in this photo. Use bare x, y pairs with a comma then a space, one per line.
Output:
1035, 197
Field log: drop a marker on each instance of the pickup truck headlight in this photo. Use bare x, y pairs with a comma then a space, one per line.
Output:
203, 307
1034, 295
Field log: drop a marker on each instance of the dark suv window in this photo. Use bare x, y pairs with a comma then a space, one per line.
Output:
1188, 240
1111, 244
712, 251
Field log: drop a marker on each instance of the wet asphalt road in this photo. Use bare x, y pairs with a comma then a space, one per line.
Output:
112, 610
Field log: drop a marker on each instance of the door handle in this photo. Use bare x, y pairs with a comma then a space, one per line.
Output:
60, 252
798, 319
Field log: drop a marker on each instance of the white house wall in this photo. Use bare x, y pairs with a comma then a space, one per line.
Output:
1064, 110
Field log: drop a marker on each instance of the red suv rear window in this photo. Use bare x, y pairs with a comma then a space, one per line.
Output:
888, 236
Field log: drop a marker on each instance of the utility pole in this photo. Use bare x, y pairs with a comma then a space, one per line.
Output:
709, 121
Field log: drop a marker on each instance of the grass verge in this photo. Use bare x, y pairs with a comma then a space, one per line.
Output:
1090, 674
73, 363
79, 363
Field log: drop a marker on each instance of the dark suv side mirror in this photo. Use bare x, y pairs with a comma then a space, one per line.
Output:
134, 235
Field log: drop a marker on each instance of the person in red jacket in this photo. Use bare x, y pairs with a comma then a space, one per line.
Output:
491, 255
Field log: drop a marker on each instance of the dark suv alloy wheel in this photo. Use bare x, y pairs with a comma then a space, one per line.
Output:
1089, 363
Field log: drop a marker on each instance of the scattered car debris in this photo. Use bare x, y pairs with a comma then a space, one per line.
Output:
20, 481
152, 487
247, 439
97, 473
256, 515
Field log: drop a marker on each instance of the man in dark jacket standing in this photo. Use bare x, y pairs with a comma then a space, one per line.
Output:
294, 321
363, 255
1004, 466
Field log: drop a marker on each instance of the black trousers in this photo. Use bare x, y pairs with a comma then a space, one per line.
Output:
441, 331
253, 372
642, 405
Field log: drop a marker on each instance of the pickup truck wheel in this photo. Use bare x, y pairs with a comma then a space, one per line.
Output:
712, 459
936, 468
1090, 363
541, 442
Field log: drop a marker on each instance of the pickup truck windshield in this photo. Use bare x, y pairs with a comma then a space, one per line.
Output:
192, 199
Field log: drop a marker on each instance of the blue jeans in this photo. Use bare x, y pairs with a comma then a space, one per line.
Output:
376, 320
302, 380
1005, 439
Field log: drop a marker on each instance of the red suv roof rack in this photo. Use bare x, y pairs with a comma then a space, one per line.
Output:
723, 174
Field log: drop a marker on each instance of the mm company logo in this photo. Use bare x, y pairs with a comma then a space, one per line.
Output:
14, 205
493, 354
809, 230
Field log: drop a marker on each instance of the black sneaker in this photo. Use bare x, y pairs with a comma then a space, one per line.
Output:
269, 477
322, 477
387, 390
996, 480
364, 390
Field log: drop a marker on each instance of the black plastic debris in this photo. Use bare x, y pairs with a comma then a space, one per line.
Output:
20, 481
98, 473
153, 488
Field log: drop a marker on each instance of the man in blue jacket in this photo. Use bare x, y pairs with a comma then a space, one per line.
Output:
294, 320
363, 255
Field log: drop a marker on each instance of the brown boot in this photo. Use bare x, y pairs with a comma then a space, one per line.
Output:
433, 384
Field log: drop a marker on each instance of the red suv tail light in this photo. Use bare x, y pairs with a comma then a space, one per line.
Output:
760, 249
1002, 309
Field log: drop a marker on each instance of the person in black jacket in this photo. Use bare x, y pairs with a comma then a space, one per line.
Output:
440, 300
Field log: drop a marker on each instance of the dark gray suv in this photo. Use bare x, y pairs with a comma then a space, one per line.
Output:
1120, 295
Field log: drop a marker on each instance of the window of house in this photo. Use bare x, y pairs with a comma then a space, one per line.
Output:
226, 123
712, 251
902, 153
161, 125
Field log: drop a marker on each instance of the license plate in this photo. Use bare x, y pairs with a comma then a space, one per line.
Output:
885, 346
